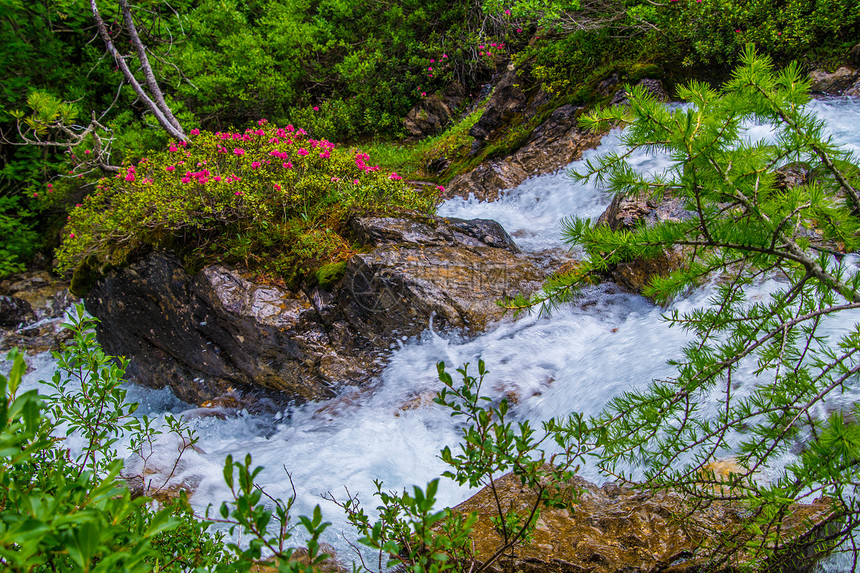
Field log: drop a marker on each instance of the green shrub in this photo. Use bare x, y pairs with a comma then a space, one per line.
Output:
715, 31
271, 198
62, 510
19, 238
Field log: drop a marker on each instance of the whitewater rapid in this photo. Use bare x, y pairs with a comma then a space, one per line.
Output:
577, 359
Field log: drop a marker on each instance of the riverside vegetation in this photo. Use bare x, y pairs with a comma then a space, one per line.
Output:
64, 510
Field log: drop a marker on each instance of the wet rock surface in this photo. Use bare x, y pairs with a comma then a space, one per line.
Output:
506, 100
222, 330
614, 528
652, 86
32, 306
627, 213
435, 112
552, 145
835, 83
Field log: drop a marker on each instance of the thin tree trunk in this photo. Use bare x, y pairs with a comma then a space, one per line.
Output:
148, 74
167, 121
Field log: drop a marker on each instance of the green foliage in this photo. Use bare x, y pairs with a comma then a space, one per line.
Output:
19, 237
714, 32
67, 511
748, 228
271, 198
328, 275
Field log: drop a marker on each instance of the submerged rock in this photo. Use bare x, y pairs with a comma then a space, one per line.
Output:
14, 311
32, 309
221, 329
614, 528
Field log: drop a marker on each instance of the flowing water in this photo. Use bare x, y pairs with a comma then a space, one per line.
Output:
575, 360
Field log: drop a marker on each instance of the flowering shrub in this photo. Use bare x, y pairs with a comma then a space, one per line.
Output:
271, 197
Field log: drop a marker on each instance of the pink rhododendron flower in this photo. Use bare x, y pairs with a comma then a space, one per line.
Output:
217, 179
195, 132
302, 151
395, 177
440, 188
288, 165
355, 181
71, 235
86, 151
263, 122
423, 93
255, 164
130, 177
316, 108
432, 61
173, 148
278, 187
239, 151
444, 55
171, 167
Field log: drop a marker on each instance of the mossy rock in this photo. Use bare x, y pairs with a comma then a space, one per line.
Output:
328, 275
85, 276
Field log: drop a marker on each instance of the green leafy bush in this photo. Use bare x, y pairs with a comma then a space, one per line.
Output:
715, 31
64, 509
270, 197
68, 511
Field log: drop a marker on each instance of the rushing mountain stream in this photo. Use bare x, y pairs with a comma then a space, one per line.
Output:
577, 359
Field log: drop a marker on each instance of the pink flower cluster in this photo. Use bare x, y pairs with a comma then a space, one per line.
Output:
129, 174
201, 177
323, 144
489, 49
360, 159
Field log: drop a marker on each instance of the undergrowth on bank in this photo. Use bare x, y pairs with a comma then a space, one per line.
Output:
67, 507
